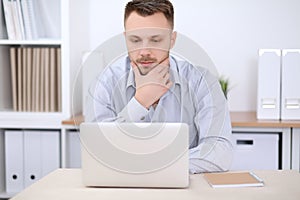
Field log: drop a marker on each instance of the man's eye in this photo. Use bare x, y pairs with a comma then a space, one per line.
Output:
135, 40
155, 40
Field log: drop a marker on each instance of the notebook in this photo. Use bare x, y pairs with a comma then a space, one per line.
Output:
135, 154
233, 179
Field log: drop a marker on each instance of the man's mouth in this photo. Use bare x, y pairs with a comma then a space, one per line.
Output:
146, 63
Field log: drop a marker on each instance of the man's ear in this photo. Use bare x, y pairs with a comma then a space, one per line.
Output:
173, 39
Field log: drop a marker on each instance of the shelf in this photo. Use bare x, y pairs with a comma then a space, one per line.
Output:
31, 42
248, 119
31, 120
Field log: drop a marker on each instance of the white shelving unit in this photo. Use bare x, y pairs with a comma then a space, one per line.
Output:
30, 42
70, 18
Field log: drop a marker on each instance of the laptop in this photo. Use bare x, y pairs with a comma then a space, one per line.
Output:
135, 155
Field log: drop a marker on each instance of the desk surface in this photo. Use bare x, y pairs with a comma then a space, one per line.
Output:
66, 184
238, 119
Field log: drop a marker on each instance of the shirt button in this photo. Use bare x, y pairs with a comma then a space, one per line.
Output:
142, 118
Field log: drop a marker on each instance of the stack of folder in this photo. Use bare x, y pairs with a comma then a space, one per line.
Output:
36, 79
278, 94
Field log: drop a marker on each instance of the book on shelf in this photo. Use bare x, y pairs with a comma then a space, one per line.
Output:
53, 83
19, 80
24, 79
13, 64
58, 72
42, 80
35, 79
9, 20
47, 80
3, 30
31, 19
33, 75
29, 78
233, 179
20, 19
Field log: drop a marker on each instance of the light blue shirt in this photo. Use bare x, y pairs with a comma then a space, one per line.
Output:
195, 98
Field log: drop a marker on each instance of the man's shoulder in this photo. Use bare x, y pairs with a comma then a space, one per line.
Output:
187, 69
117, 68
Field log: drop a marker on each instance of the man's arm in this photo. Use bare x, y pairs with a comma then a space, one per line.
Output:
214, 150
101, 106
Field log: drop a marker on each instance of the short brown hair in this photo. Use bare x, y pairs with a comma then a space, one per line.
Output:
150, 7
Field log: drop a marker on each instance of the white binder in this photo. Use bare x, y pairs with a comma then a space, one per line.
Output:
290, 103
268, 92
50, 159
32, 157
73, 149
14, 161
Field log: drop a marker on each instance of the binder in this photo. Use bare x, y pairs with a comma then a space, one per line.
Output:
24, 78
9, 20
269, 88
19, 80
59, 79
14, 161
290, 104
46, 80
33, 82
42, 81
73, 149
37, 80
3, 31
29, 78
52, 84
27, 21
13, 64
50, 159
32, 157
20, 19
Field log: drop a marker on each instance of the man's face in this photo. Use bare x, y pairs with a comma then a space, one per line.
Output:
148, 40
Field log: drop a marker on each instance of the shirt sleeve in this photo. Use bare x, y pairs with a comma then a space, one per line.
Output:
100, 107
214, 150
133, 112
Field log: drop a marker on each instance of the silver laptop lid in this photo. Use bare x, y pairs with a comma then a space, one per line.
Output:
135, 154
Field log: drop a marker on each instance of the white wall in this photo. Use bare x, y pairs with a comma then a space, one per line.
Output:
230, 31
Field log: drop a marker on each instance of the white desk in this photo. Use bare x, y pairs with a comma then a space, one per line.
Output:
66, 184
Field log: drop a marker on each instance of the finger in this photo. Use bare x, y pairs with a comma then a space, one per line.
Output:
165, 73
159, 68
169, 84
167, 76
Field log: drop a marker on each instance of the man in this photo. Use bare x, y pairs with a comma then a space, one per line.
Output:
149, 85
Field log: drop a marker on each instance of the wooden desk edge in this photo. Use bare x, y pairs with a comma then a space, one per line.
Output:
238, 119
76, 120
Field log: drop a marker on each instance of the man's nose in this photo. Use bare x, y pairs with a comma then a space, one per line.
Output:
144, 51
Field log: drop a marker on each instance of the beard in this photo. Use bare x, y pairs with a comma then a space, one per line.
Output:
146, 64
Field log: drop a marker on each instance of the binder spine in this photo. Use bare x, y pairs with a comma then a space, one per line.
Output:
269, 79
290, 105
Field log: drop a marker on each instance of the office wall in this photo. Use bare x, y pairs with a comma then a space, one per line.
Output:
230, 31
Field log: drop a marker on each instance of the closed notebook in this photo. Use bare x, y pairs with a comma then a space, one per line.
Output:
233, 179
